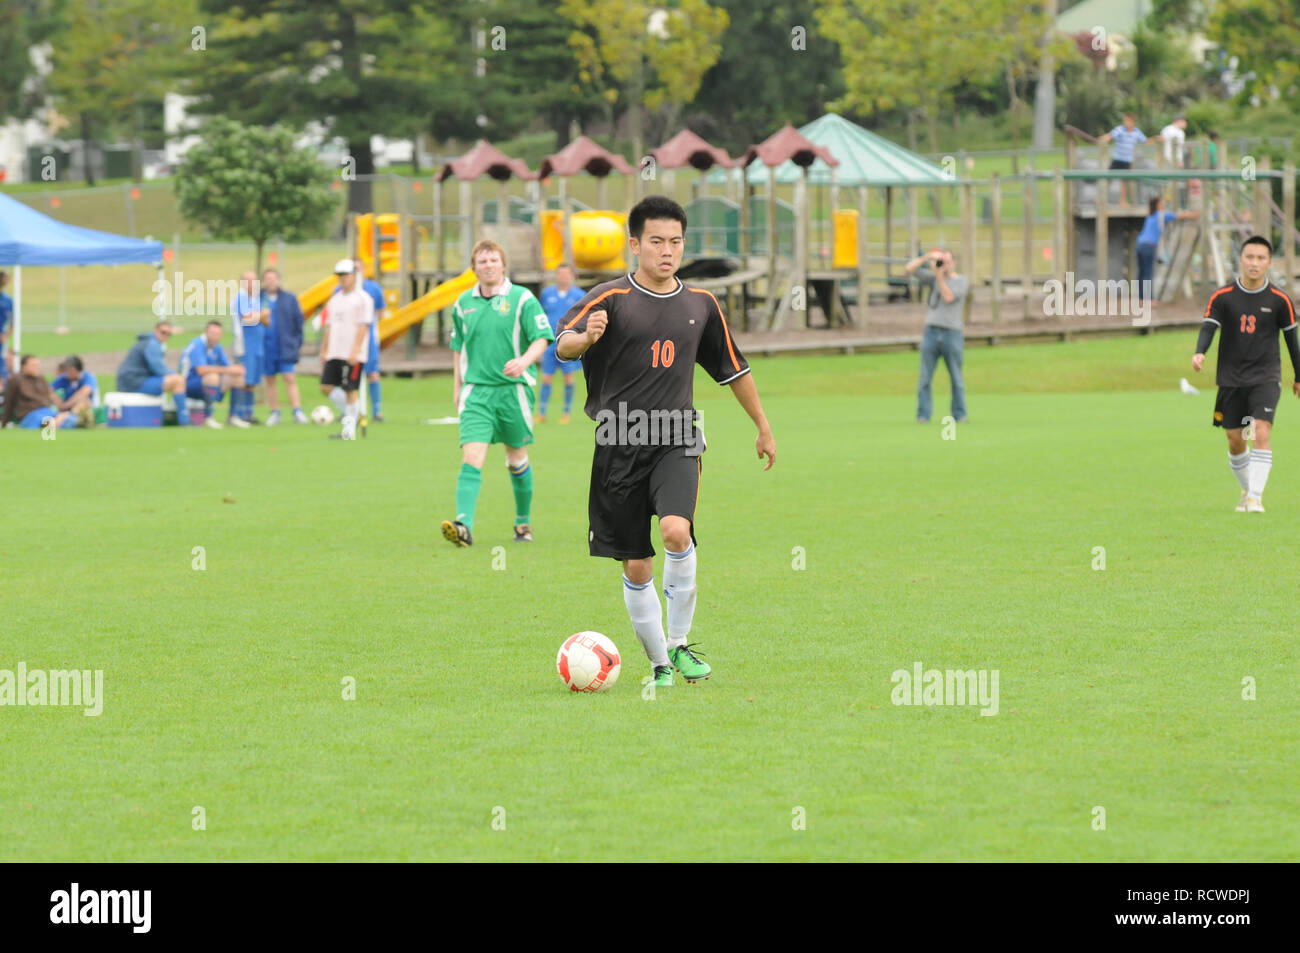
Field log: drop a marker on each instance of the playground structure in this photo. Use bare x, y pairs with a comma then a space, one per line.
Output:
770, 233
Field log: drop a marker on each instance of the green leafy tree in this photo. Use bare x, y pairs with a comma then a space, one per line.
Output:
1265, 36
654, 55
112, 58
252, 183
786, 72
359, 67
23, 24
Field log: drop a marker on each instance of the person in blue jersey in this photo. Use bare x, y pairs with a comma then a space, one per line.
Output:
208, 372
6, 315
77, 390
1156, 220
556, 300
283, 342
142, 371
250, 317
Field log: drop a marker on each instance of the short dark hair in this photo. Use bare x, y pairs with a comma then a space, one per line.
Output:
26, 358
654, 207
1152, 205
272, 268
1212, 134
72, 361
214, 321
1258, 240
565, 264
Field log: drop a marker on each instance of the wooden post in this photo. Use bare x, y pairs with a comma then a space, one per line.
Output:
566, 249
539, 195
600, 192
968, 243
503, 213
913, 222
1206, 278
1262, 194
630, 186
833, 198
802, 222
1027, 261
437, 224
1288, 226
864, 291
995, 217
468, 225
1103, 230
889, 232
771, 235
1058, 226
746, 246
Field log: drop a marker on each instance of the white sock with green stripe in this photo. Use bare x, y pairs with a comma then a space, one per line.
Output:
1261, 461
647, 618
1240, 463
679, 590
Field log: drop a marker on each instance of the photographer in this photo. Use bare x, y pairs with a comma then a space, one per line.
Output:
937, 271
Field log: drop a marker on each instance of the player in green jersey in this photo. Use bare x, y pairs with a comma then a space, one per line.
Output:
493, 390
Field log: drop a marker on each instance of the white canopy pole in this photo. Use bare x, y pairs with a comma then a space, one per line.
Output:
17, 349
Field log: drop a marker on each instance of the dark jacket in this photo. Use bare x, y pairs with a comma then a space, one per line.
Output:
144, 360
23, 394
285, 338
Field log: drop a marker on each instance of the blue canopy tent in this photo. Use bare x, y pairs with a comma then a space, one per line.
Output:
29, 238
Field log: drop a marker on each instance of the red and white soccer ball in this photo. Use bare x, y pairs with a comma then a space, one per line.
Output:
588, 662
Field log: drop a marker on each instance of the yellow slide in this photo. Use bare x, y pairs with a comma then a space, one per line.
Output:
314, 298
443, 296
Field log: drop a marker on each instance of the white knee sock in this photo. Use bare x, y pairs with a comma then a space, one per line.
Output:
647, 618
1240, 463
679, 589
1261, 461
353, 410
340, 400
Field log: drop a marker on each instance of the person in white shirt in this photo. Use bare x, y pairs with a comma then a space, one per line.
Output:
343, 347
1174, 135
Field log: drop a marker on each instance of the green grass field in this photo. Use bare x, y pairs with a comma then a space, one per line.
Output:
1119, 688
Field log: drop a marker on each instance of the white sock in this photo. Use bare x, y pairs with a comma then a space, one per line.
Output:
353, 410
1261, 461
647, 618
679, 590
340, 400
1240, 463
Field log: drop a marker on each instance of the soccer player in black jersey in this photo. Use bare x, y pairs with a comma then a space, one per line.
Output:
1248, 314
640, 337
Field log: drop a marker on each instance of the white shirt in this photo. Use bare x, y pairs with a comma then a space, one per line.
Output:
1174, 138
346, 313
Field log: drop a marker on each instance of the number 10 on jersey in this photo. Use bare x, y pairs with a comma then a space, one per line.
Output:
662, 351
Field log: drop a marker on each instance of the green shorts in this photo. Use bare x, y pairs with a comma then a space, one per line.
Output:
496, 413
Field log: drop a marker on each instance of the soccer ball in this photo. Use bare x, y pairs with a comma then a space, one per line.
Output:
322, 415
588, 662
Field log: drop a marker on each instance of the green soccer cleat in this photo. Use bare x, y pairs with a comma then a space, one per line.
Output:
663, 676
457, 533
686, 662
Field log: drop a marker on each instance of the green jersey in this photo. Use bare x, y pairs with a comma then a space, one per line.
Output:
488, 332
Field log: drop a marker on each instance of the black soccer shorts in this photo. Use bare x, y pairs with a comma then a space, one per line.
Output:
629, 485
338, 373
1234, 404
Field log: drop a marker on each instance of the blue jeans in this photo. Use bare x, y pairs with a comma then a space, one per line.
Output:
949, 343
1146, 269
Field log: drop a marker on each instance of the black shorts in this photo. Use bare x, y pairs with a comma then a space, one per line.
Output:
1121, 164
631, 484
1234, 404
338, 373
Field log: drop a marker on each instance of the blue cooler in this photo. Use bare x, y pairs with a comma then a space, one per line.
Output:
133, 410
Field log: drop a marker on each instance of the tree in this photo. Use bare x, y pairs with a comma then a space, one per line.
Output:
110, 58
252, 183
655, 56
24, 24
774, 68
1265, 37
358, 67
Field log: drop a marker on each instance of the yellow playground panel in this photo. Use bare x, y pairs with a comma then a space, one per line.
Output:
845, 252
599, 238
390, 242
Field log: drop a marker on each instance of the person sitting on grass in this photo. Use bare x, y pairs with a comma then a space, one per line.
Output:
30, 403
142, 371
208, 370
76, 388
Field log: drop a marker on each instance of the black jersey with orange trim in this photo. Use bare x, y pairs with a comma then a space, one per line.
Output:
1248, 323
646, 358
